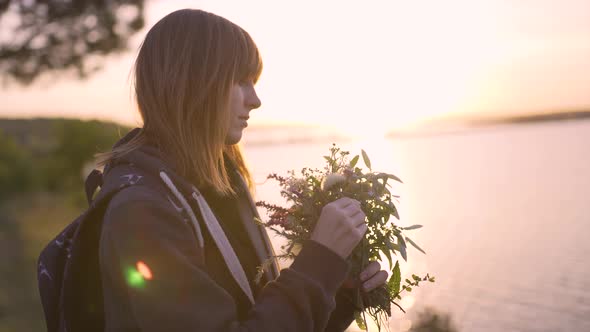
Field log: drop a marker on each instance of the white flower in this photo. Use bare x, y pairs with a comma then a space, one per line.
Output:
332, 179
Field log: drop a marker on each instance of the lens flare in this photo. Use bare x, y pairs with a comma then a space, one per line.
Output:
137, 276
134, 278
144, 270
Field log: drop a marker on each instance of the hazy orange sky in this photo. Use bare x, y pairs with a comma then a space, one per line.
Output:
370, 66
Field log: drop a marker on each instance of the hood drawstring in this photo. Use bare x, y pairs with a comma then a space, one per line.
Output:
186, 207
216, 231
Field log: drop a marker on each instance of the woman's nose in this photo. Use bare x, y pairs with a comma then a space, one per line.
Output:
253, 100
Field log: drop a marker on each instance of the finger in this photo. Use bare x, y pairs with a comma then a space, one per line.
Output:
351, 208
359, 218
376, 281
362, 228
372, 268
348, 202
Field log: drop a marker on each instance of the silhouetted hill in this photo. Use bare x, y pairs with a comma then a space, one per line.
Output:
530, 118
41, 134
457, 124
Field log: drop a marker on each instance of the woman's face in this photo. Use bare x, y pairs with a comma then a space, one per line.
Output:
242, 99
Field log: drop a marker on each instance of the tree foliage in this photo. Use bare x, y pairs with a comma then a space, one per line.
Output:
54, 161
15, 169
57, 36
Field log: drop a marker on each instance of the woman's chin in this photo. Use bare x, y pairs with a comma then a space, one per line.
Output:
233, 138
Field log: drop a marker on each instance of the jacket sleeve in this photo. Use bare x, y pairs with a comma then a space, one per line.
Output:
178, 295
343, 314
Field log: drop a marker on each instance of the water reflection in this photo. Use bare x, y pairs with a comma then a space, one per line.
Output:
505, 215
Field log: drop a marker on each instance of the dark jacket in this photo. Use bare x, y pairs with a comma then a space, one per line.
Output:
192, 284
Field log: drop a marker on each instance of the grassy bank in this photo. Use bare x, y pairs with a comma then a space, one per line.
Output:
28, 223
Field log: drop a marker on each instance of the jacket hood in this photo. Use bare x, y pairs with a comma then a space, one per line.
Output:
148, 160
151, 161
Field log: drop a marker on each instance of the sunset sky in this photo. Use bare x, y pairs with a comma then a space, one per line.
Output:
370, 66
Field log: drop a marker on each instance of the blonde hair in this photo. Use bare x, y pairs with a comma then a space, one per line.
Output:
183, 74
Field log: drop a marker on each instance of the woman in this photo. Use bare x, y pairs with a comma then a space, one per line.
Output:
185, 223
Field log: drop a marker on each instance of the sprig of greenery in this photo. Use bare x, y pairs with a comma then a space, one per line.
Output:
341, 177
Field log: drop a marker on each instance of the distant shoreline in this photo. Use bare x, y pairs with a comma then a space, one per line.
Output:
559, 116
462, 125
261, 135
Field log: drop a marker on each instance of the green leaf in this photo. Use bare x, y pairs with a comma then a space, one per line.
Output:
359, 321
376, 187
258, 221
393, 177
393, 210
395, 280
392, 246
354, 161
402, 247
386, 217
411, 227
387, 253
415, 245
366, 159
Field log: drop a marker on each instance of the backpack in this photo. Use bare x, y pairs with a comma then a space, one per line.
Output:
68, 271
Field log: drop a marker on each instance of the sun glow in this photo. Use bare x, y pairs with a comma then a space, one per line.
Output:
407, 61
373, 66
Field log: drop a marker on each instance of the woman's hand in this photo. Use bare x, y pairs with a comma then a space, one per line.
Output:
341, 226
370, 278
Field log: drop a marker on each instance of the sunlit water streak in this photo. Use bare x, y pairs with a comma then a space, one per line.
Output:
506, 216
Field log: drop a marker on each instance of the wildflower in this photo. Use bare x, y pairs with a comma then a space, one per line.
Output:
348, 172
277, 177
332, 179
296, 186
277, 215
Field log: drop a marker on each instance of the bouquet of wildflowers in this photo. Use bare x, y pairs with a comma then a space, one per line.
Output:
315, 188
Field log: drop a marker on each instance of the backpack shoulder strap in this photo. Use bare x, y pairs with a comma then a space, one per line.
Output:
82, 306
93, 181
72, 253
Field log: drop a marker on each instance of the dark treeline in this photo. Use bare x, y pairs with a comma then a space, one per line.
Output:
50, 155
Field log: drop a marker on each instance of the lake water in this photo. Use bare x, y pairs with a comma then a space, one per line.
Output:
506, 215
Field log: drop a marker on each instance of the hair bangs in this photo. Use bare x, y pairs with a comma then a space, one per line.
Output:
249, 61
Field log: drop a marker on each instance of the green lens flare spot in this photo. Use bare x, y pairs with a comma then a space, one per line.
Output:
134, 278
